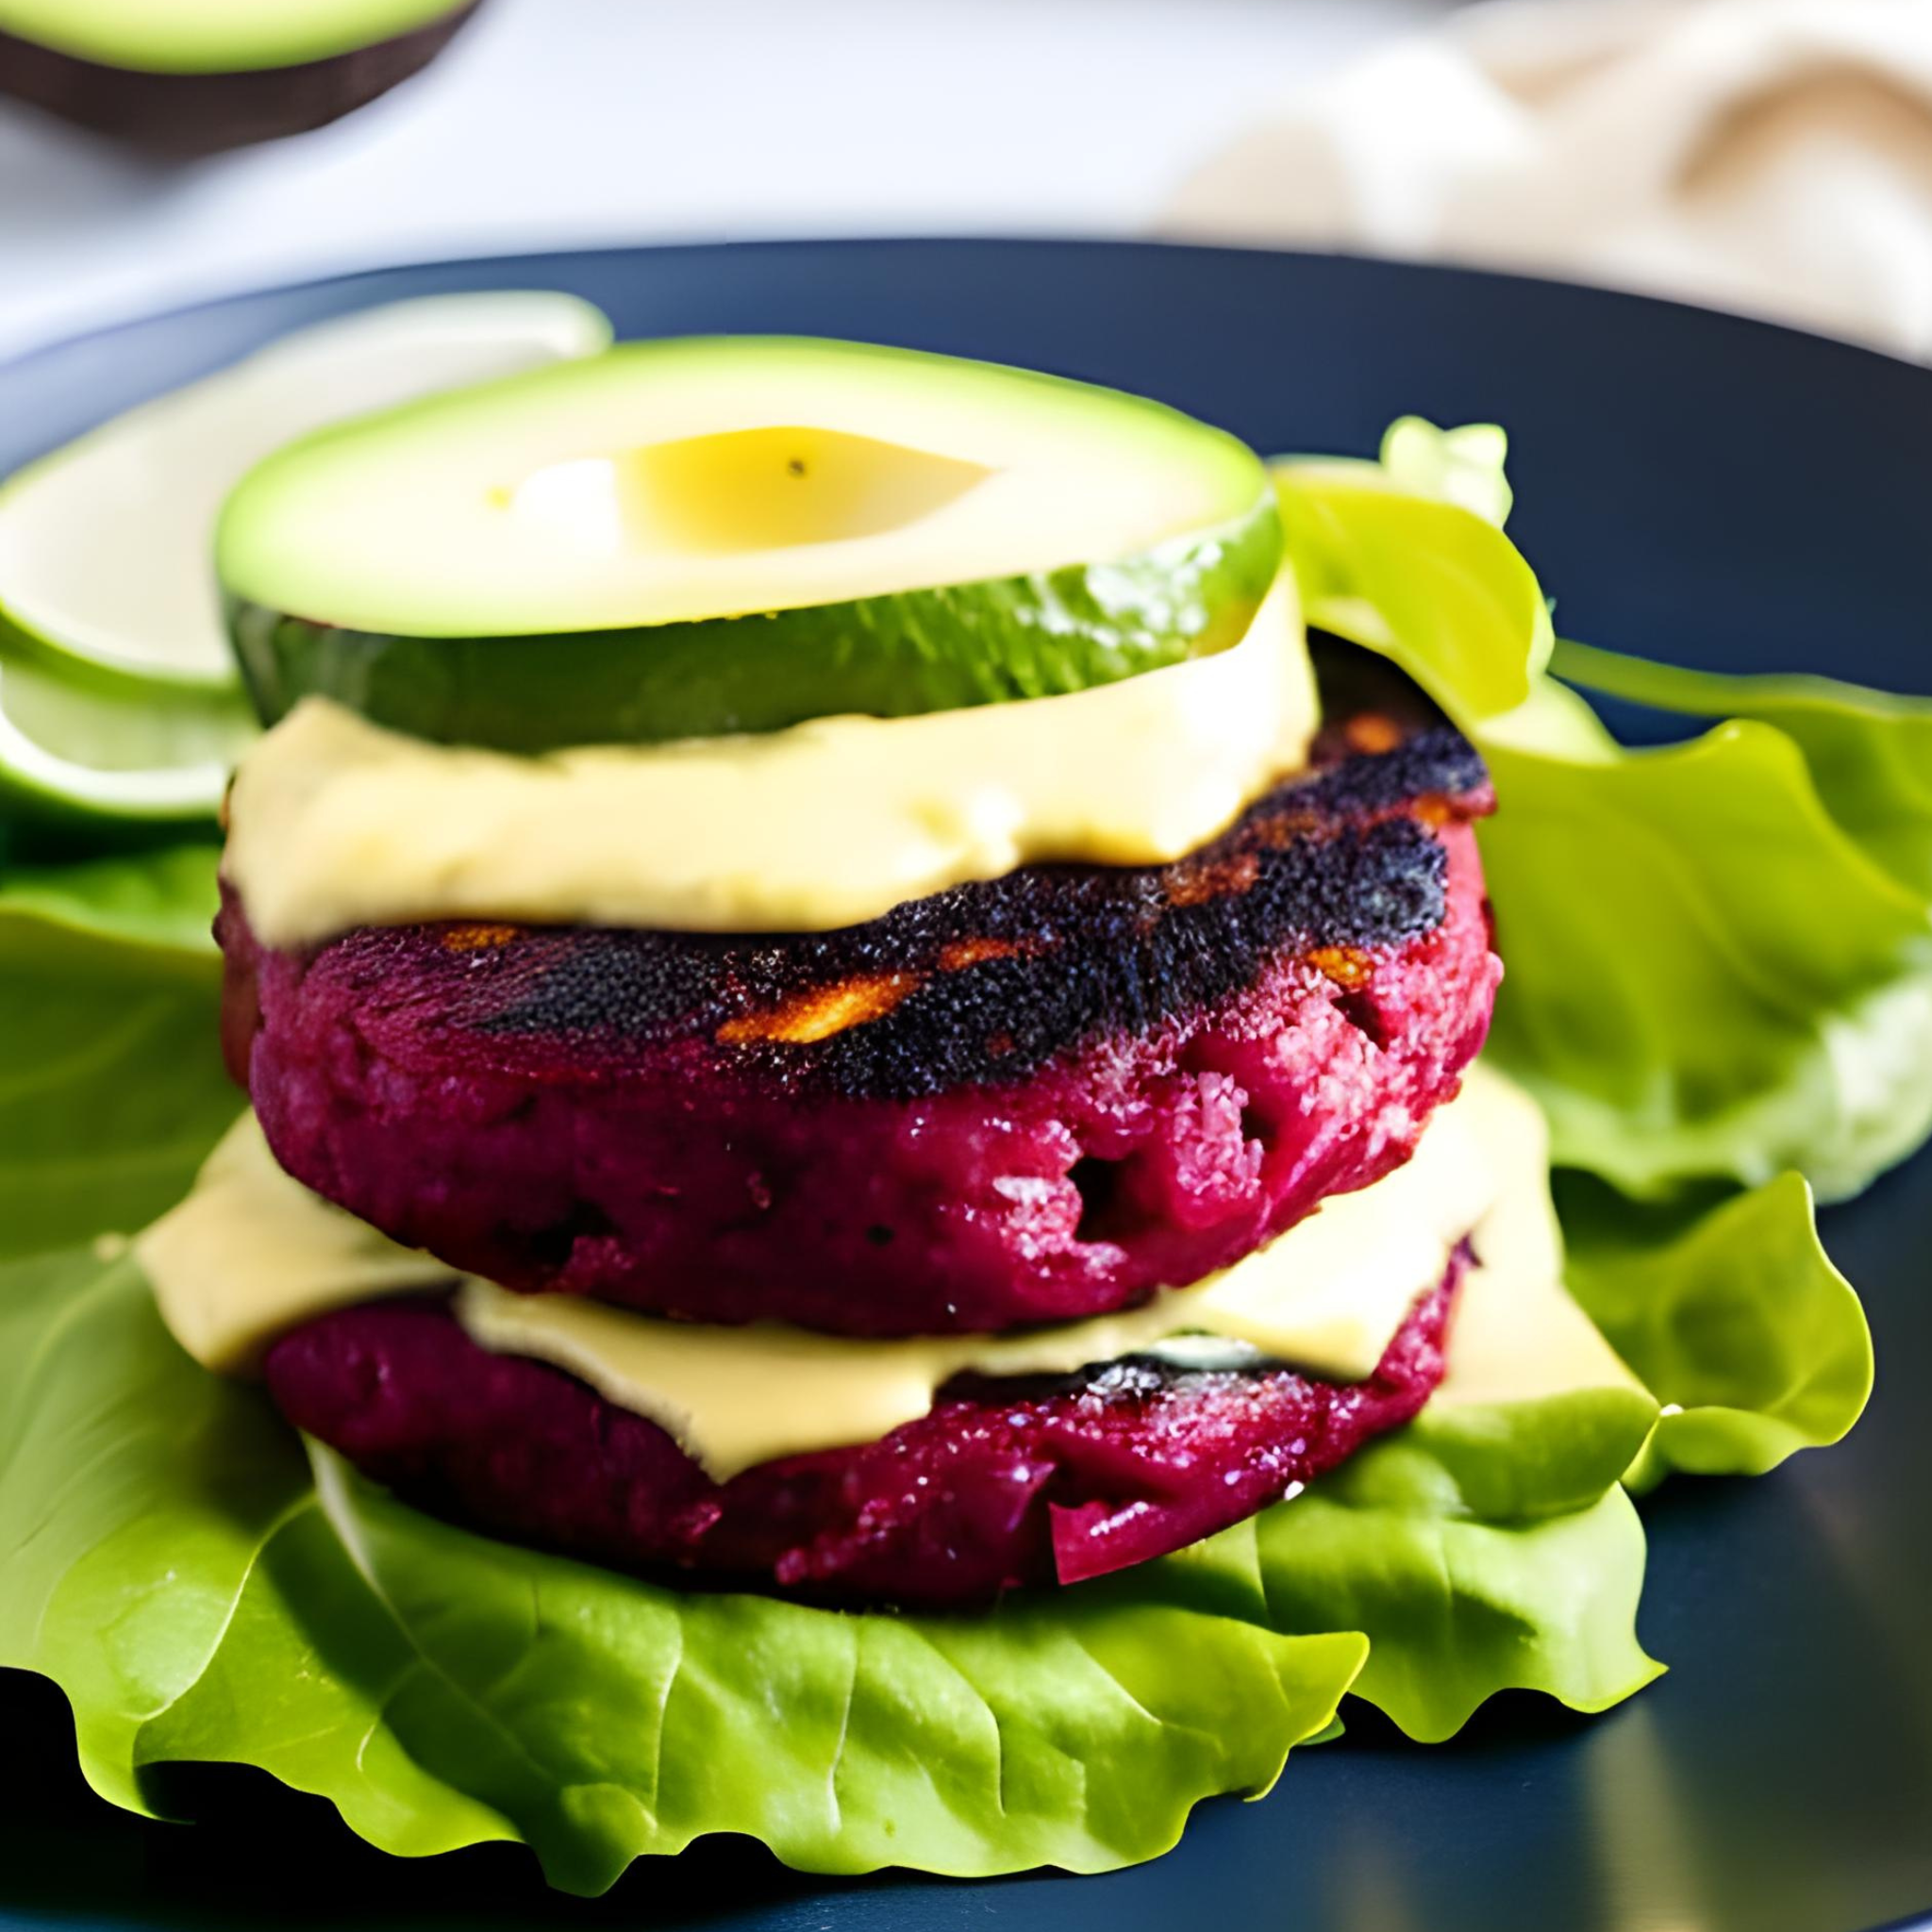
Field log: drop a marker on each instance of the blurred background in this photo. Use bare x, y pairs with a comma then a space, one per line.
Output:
1773, 156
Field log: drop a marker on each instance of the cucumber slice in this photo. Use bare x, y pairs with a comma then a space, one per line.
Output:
681, 538
145, 490
100, 748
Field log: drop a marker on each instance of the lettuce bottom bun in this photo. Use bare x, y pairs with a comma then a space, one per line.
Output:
1030, 1100
1005, 1481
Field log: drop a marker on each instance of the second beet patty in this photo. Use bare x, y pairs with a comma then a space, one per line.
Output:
1033, 1099
1004, 1482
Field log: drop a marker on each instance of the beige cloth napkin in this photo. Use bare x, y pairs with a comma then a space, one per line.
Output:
1768, 156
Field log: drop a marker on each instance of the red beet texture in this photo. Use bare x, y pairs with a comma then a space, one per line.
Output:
1002, 1483
1019, 1117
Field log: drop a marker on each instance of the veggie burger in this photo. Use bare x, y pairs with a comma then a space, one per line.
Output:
834, 1000
877, 1180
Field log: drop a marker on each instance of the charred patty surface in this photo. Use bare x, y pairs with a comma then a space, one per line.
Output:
1032, 1099
1002, 1483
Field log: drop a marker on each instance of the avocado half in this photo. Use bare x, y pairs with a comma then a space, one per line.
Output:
188, 77
685, 538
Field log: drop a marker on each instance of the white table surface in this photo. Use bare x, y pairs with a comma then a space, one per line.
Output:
554, 123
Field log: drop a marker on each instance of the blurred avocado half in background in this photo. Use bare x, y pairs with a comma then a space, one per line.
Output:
185, 77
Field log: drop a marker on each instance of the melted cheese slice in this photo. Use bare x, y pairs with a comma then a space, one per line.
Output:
336, 823
1518, 1332
252, 1252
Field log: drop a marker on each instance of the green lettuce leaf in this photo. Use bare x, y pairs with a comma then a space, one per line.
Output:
1435, 586
1733, 1315
169, 1557
1869, 752
171, 1561
162, 902
113, 1090
1706, 978
1481, 1549
1719, 953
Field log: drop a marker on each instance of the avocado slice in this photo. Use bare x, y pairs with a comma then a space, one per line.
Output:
722, 534
145, 490
90, 748
193, 77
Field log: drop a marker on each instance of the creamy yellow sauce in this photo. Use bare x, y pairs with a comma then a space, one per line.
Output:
1518, 1333
251, 1252
335, 823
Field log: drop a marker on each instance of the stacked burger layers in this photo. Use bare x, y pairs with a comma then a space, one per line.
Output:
835, 997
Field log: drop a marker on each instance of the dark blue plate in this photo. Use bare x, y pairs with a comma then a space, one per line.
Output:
1691, 485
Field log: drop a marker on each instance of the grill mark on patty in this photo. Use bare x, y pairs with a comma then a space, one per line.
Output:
988, 982
1127, 966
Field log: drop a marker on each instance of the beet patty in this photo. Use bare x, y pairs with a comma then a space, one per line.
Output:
1033, 1099
1004, 1482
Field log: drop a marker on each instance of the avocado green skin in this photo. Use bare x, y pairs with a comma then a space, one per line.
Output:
912, 651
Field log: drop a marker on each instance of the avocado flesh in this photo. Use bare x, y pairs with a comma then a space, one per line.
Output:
686, 538
187, 77
145, 490
1023, 638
